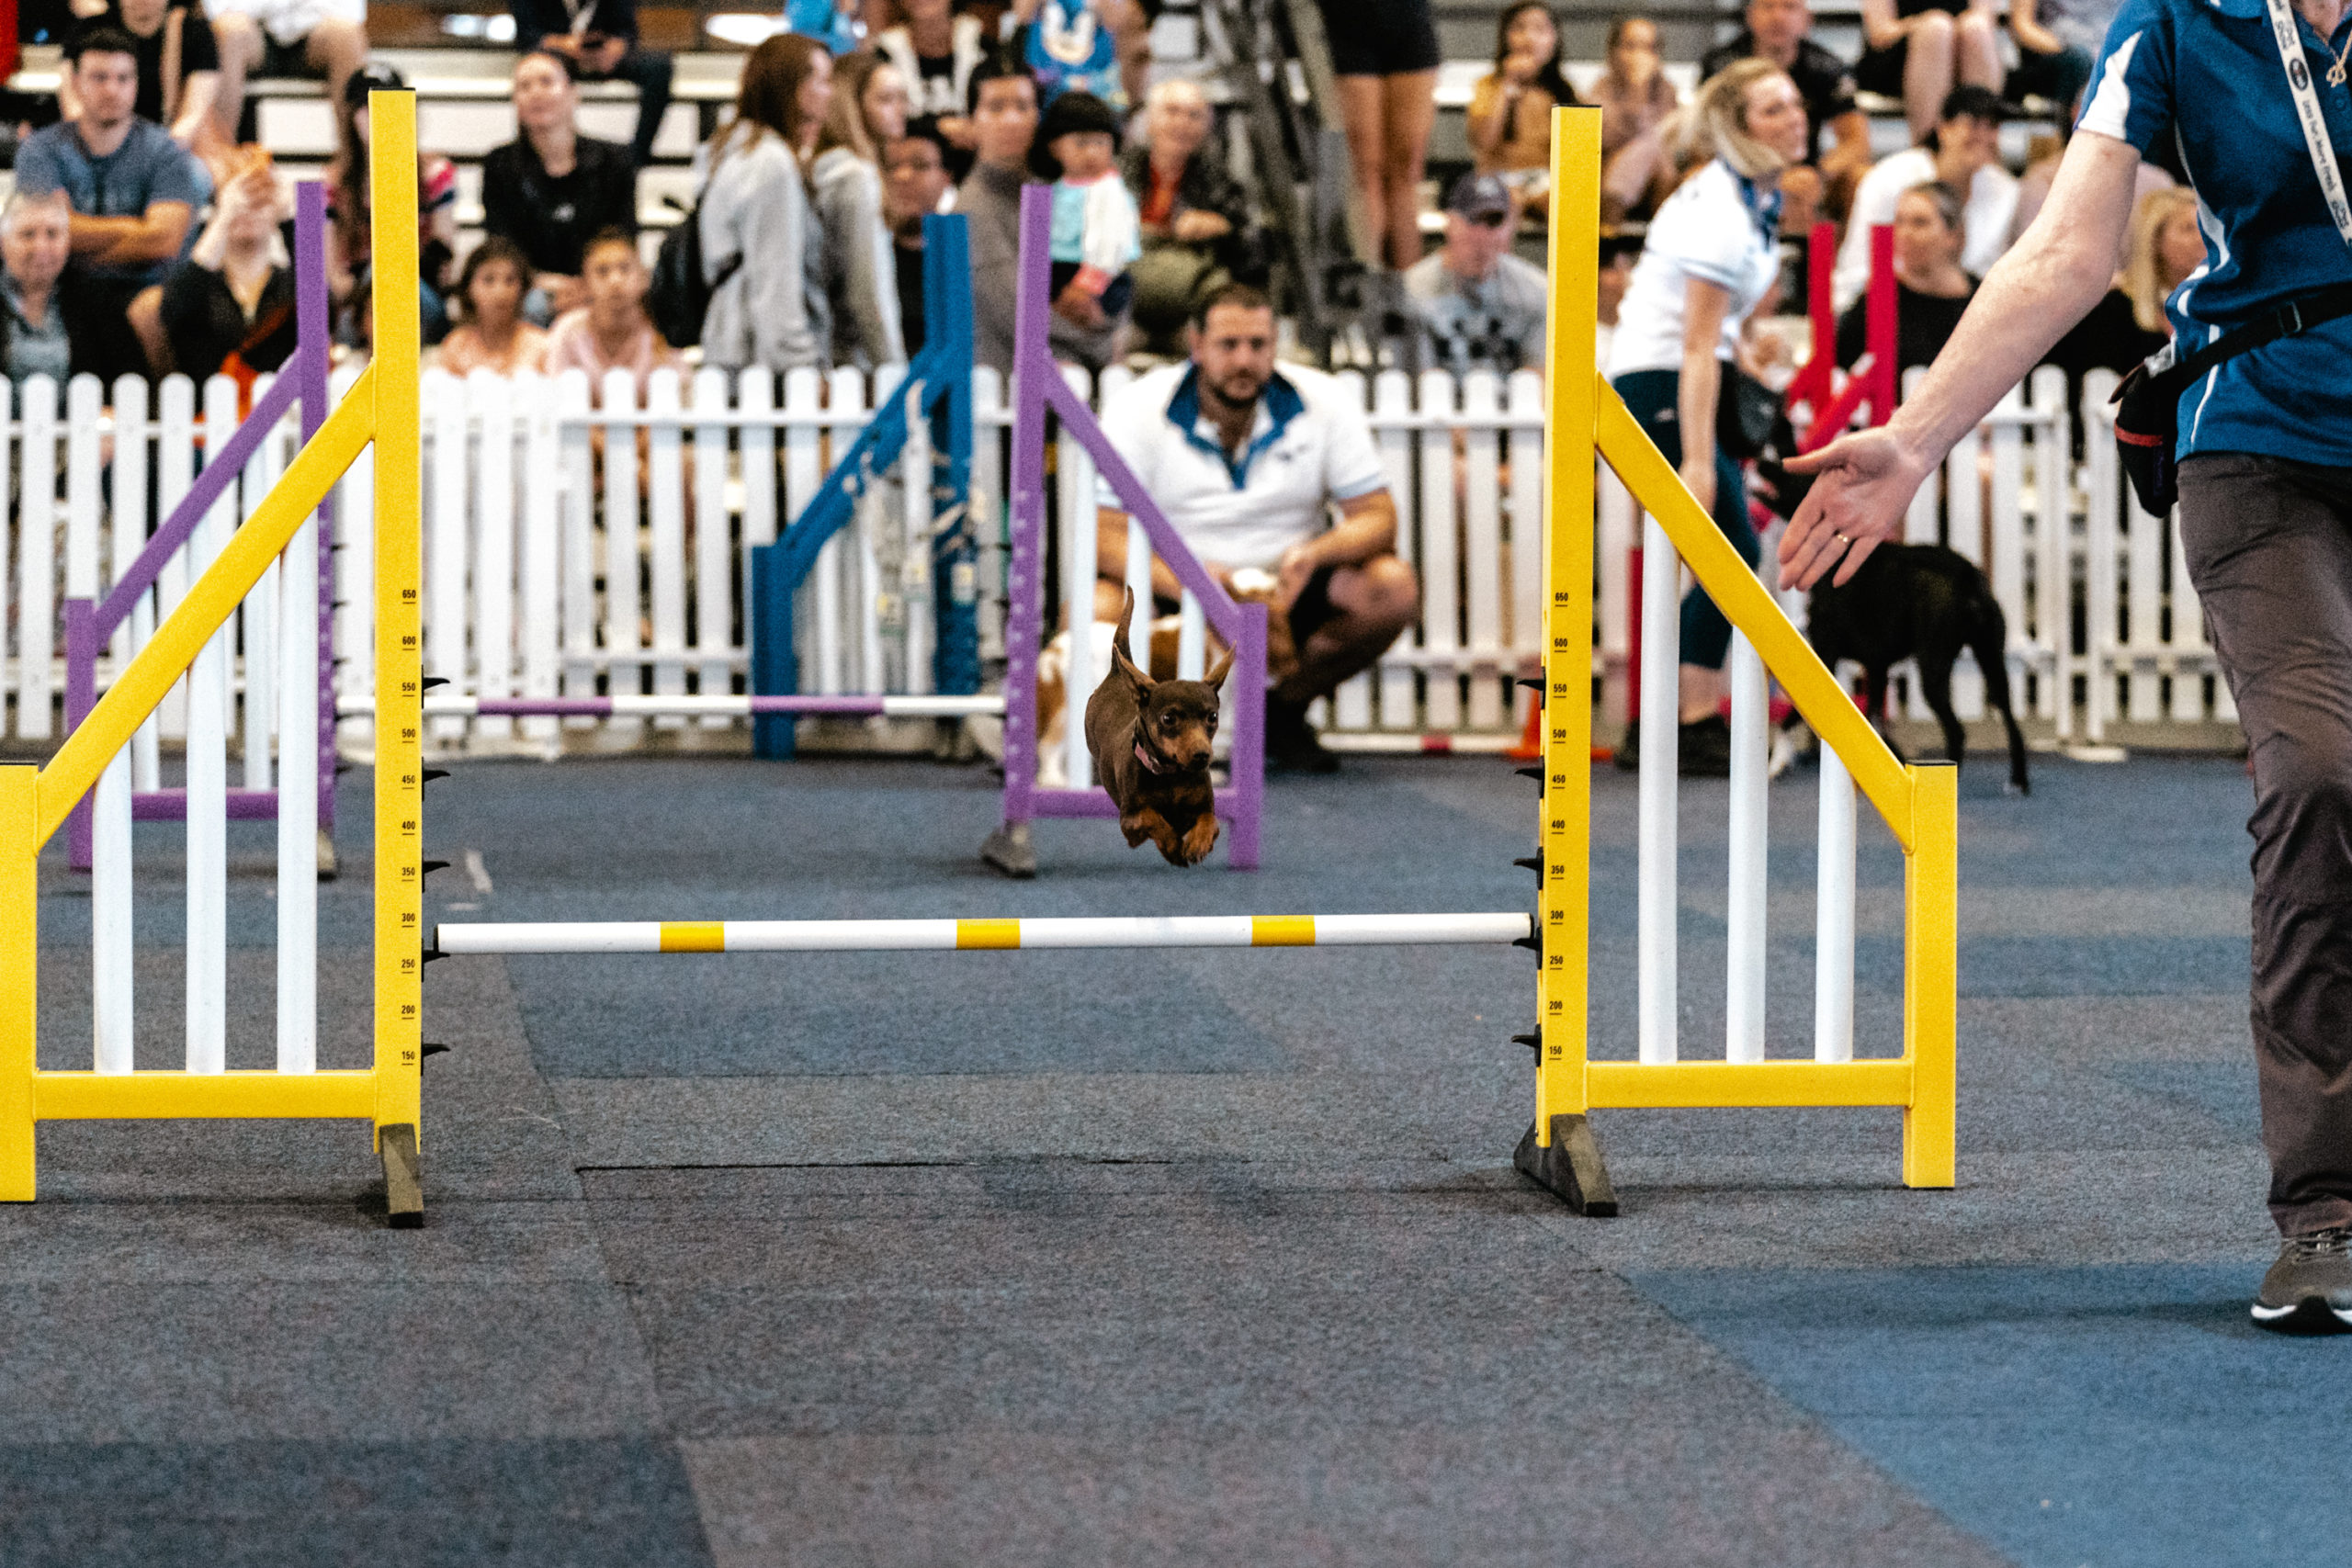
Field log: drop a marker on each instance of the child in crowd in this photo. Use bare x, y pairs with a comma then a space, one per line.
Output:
1097, 232
612, 332
492, 334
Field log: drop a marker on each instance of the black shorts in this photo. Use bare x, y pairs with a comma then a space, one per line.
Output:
1380, 38
1881, 70
287, 58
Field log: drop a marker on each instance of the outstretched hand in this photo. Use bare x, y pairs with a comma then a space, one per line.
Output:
1862, 483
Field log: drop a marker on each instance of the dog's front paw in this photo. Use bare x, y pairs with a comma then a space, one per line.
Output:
1193, 847
1146, 824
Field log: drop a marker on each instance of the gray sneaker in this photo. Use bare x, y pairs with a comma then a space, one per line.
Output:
2308, 1290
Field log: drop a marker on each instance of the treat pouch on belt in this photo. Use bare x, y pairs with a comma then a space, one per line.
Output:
2147, 406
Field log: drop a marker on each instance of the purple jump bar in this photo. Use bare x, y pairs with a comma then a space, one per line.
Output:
602, 708
171, 806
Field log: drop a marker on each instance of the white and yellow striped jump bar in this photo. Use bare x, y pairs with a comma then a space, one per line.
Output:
944, 936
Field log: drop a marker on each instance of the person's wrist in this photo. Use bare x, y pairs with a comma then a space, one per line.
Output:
1917, 450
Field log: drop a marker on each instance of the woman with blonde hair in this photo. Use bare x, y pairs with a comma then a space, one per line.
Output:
1712, 257
868, 113
2166, 246
763, 246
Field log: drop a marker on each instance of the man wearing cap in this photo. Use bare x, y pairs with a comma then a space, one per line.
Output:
1478, 307
1964, 152
1249, 463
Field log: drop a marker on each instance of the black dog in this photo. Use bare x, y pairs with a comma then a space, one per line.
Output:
1151, 741
1923, 603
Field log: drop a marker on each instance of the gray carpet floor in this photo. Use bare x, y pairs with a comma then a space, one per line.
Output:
1176, 1256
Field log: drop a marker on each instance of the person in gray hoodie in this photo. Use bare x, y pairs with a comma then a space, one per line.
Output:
769, 309
869, 110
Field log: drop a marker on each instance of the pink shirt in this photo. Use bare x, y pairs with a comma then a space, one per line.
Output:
571, 345
462, 352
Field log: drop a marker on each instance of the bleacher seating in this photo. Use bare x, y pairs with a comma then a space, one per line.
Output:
458, 59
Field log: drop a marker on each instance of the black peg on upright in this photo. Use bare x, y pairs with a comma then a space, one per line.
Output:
1534, 1039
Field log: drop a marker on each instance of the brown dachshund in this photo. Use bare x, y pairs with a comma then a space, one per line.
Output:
1151, 741
1248, 586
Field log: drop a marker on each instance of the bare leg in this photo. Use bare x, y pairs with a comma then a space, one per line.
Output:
338, 49
1360, 112
1131, 37
1701, 692
1409, 110
238, 43
1978, 45
1375, 600
1926, 72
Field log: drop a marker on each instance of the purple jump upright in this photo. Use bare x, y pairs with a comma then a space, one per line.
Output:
1037, 386
89, 625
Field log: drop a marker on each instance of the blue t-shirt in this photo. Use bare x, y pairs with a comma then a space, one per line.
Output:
2204, 75
147, 168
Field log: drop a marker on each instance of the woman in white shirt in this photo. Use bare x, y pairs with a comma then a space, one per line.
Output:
1712, 255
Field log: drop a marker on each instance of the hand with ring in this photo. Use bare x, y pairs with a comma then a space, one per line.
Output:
1863, 483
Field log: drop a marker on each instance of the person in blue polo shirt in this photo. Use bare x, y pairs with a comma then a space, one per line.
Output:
1247, 462
2252, 94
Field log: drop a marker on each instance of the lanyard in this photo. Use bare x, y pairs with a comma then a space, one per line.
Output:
2307, 110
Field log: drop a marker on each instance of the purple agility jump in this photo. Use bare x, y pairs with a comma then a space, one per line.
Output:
89, 627
1037, 386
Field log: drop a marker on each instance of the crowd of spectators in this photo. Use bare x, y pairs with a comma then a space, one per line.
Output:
140, 206
1955, 204
814, 195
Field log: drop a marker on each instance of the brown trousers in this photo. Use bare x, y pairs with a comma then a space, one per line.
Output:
2269, 547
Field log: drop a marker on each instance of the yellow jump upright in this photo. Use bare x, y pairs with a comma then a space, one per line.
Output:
1585, 418
35, 801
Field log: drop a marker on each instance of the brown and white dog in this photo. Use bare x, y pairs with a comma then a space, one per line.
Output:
1151, 740
1248, 586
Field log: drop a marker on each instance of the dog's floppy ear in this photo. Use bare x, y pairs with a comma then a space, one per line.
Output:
1120, 658
1218, 672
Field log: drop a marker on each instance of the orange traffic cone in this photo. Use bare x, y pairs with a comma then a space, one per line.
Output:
1530, 739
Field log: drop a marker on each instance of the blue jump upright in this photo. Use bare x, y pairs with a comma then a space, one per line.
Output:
941, 376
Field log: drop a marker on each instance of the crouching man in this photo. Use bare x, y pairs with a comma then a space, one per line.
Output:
1248, 462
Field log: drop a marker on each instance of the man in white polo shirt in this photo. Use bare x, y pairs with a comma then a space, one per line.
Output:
1247, 462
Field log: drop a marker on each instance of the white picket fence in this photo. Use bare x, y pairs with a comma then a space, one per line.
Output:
553, 572
2058, 541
